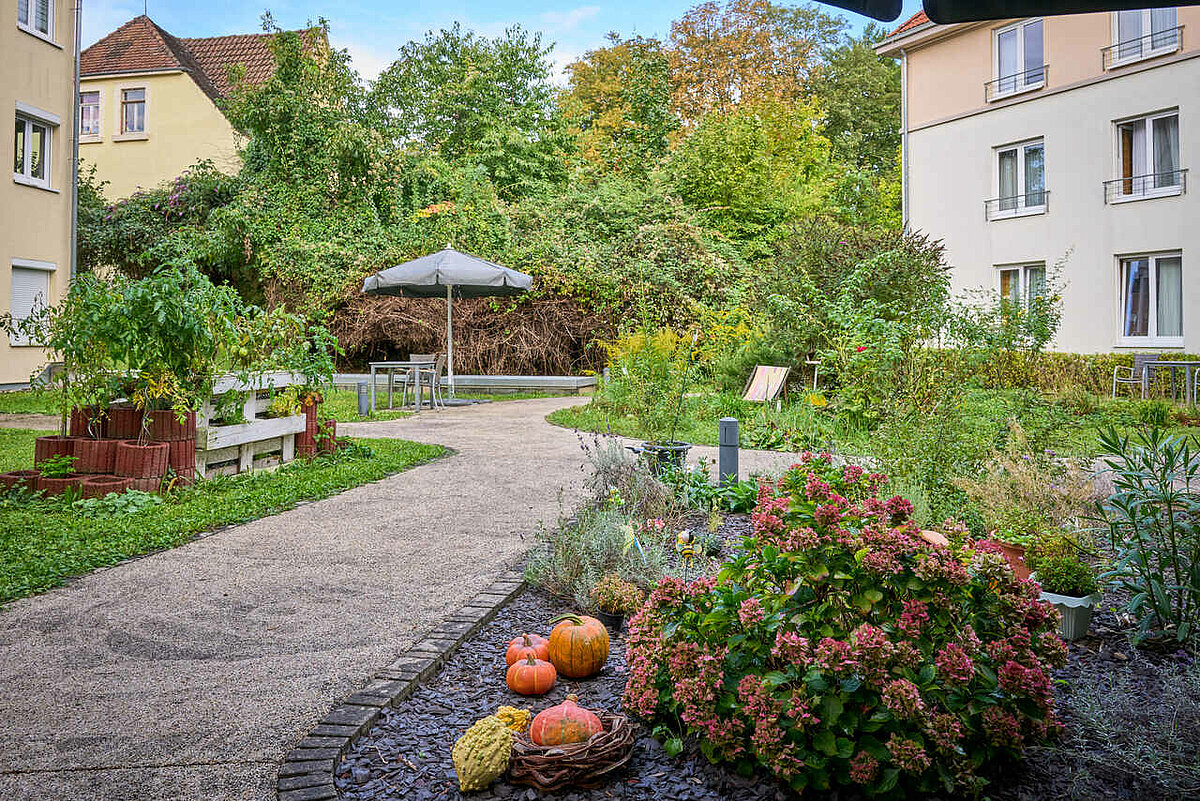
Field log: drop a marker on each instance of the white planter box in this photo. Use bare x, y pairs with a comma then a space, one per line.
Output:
1076, 613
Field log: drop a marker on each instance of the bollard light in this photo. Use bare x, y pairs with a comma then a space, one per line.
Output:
364, 399
727, 440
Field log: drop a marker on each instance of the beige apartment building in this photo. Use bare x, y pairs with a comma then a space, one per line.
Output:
1064, 139
37, 60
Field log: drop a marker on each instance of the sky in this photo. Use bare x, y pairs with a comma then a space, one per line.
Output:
372, 30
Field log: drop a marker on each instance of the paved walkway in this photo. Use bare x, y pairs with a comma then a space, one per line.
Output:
188, 674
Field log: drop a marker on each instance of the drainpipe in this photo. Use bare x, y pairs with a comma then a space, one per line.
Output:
904, 137
75, 144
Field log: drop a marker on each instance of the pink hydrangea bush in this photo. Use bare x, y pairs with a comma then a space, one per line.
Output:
838, 647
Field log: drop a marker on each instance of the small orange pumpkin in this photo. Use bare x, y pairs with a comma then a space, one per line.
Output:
531, 676
565, 723
525, 645
578, 646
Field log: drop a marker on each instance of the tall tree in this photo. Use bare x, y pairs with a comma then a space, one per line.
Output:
860, 93
618, 104
745, 51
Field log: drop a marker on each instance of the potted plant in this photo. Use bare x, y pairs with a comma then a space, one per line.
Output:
1013, 543
57, 474
1070, 584
614, 598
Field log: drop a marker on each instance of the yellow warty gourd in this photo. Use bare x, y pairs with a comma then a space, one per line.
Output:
482, 754
515, 719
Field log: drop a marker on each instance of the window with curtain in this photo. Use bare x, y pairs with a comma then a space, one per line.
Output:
36, 16
1021, 178
1144, 32
1152, 299
89, 113
31, 152
133, 111
1019, 58
1022, 283
1148, 157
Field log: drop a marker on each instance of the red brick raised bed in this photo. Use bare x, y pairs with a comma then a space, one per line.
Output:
182, 455
124, 422
56, 486
147, 484
164, 426
55, 445
95, 455
328, 444
26, 477
99, 486
142, 461
81, 419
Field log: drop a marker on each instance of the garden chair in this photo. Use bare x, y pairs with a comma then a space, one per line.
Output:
410, 380
1138, 374
766, 384
433, 379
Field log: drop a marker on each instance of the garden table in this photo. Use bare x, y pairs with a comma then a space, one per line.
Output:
1189, 387
411, 366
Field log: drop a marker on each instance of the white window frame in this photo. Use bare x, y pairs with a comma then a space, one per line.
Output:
1021, 209
36, 116
14, 339
99, 135
1151, 339
1147, 168
51, 21
119, 134
1023, 269
1144, 53
1022, 87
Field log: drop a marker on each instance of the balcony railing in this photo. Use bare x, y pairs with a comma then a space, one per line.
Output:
1018, 82
1152, 44
1155, 184
998, 208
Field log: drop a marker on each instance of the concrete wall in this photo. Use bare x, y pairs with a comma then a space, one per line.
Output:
951, 174
35, 223
183, 126
947, 73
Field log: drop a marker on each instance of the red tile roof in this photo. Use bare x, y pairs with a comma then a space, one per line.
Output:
919, 18
141, 46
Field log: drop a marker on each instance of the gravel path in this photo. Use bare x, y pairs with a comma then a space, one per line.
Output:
188, 673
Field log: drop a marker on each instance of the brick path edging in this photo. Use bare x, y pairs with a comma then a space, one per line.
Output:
308, 769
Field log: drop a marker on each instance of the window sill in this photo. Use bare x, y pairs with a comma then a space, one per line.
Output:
85, 139
1148, 342
1125, 62
131, 137
1171, 191
1033, 87
33, 183
30, 345
1028, 211
35, 33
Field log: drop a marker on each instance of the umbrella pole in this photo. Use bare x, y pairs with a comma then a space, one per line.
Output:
450, 337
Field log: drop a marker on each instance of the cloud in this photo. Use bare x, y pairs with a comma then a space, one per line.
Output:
562, 21
368, 59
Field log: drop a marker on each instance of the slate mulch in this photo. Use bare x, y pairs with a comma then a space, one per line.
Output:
407, 754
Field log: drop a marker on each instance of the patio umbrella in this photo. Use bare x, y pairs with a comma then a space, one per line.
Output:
450, 274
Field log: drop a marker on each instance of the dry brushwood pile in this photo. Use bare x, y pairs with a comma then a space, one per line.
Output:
492, 336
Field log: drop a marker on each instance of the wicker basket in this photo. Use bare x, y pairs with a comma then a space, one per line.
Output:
587, 764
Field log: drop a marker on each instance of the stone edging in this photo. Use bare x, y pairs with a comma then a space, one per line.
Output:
308, 769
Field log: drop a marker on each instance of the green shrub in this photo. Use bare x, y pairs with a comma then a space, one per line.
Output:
1066, 575
839, 649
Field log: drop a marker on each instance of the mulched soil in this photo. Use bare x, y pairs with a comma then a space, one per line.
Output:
407, 754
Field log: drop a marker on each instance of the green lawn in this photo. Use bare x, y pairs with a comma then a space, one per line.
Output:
29, 401
44, 543
342, 404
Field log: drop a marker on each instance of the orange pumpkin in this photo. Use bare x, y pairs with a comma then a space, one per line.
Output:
525, 645
565, 723
531, 677
578, 646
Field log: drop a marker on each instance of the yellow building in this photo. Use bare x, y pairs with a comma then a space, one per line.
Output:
37, 47
149, 103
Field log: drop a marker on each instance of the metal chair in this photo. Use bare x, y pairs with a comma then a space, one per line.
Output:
1138, 374
412, 381
433, 378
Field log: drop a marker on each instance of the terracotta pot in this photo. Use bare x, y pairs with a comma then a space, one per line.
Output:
88, 421
1015, 554
95, 455
124, 422
56, 486
99, 486
164, 426
182, 455
27, 477
56, 445
142, 461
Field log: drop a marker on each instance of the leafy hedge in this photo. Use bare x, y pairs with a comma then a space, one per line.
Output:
838, 648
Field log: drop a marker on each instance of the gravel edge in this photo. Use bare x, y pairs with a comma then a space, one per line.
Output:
306, 773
